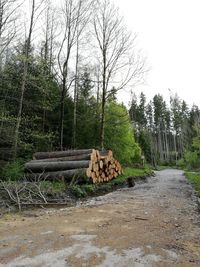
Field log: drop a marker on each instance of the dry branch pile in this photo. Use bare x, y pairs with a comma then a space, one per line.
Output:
98, 166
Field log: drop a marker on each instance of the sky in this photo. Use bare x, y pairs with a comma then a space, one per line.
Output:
169, 36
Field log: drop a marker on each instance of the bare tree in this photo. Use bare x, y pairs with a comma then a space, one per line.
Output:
47, 50
75, 19
9, 11
27, 47
75, 95
119, 65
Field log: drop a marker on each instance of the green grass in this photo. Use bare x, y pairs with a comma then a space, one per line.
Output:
135, 172
194, 178
85, 190
54, 187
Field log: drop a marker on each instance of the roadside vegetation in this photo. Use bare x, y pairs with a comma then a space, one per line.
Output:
194, 178
20, 194
60, 90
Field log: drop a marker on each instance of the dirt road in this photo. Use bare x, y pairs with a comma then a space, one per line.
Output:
153, 224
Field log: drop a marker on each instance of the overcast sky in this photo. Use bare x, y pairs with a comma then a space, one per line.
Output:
169, 35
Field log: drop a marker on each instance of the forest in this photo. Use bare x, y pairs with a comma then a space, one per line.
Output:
93, 171
61, 69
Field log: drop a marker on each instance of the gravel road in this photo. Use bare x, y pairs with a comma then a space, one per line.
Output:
156, 223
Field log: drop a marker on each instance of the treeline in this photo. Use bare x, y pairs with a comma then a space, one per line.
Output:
60, 70
166, 132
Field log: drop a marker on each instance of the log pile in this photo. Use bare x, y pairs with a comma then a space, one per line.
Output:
98, 166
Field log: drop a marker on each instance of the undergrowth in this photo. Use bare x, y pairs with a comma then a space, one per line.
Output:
81, 191
194, 178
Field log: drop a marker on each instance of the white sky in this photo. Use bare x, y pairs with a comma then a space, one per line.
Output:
169, 35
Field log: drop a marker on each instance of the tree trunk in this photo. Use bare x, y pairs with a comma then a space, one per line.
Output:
75, 95
59, 154
56, 166
62, 111
68, 158
102, 134
24, 78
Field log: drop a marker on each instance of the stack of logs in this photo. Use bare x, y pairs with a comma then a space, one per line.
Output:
98, 166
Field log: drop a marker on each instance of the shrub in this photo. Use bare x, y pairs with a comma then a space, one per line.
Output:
77, 191
89, 189
181, 163
194, 178
13, 170
119, 134
192, 160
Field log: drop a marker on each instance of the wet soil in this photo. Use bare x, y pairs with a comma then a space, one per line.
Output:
156, 223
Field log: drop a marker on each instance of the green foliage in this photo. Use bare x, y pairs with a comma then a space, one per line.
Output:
196, 139
81, 191
53, 187
87, 114
13, 171
134, 172
145, 143
192, 160
78, 191
181, 163
194, 178
89, 189
43, 141
119, 133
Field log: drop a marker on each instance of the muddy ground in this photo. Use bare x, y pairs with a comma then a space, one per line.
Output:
153, 224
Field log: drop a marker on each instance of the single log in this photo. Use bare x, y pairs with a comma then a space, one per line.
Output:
98, 155
56, 166
66, 175
95, 167
69, 158
59, 154
101, 164
93, 157
115, 174
93, 176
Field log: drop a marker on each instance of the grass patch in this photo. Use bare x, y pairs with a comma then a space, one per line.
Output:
135, 172
194, 178
81, 191
53, 187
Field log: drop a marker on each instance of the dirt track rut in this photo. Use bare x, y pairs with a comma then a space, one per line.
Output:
153, 224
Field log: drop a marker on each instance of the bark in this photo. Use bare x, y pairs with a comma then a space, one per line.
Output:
74, 24
58, 154
114, 43
56, 166
75, 95
24, 79
68, 158
63, 93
